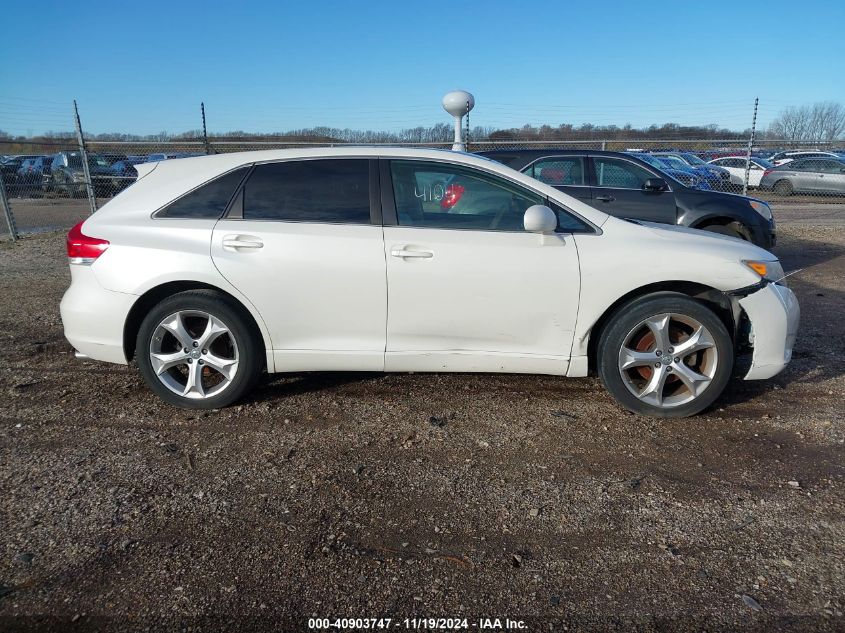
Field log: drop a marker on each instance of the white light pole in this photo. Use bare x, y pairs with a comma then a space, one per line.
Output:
458, 103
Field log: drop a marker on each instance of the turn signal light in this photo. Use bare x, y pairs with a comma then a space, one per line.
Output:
83, 249
758, 267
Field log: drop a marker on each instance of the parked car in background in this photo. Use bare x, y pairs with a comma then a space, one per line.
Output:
69, 174
204, 273
111, 159
124, 173
684, 176
718, 179
626, 186
9, 168
152, 158
806, 175
31, 176
701, 166
735, 165
43, 165
781, 158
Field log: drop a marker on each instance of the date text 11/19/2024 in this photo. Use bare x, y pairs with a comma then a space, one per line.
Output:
418, 624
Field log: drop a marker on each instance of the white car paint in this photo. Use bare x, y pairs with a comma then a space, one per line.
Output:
337, 297
738, 173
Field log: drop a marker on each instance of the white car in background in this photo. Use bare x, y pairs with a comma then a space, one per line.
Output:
781, 158
736, 167
210, 271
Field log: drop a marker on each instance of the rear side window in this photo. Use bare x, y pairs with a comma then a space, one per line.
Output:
325, 190
208, 201
559, 171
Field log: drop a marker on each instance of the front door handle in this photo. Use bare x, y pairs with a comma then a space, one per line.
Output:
605, 198
403, 252
237, 242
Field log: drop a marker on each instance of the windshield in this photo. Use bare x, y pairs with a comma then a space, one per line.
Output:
674, 162
692, 159
655, 162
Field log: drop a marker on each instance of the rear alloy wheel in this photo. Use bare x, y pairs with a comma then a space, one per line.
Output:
783, 188
196, 350
665, 355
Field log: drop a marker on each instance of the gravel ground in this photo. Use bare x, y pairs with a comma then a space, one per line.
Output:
343, 494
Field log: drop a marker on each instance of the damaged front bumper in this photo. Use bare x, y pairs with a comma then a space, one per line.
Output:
773, 315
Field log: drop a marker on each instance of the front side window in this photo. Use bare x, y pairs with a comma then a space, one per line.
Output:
324, 190
208, 201
559, 171
440, 195
446, 196
619, 174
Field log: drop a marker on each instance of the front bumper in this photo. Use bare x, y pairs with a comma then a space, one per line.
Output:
774, 315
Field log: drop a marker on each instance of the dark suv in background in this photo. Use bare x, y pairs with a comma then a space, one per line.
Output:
68, 175
623, 185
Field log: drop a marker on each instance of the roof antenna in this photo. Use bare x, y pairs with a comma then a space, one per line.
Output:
458, 103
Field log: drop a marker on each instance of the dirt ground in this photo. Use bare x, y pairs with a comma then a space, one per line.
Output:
469, 496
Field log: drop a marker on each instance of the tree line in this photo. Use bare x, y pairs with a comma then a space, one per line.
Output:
816, 123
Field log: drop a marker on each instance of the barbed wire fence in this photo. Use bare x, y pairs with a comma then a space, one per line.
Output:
53, 183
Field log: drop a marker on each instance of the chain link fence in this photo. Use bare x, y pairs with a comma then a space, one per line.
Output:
49, 186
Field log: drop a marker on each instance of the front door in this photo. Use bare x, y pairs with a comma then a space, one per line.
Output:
305, 246
618, 189
468, 288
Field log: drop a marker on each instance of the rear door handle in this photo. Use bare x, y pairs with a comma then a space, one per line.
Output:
605, 198
403, 252
237, 242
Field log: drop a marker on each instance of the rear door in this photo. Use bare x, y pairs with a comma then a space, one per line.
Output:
800, 173
618, 189
568, 173
303, 242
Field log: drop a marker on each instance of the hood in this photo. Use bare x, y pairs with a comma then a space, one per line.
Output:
732, 248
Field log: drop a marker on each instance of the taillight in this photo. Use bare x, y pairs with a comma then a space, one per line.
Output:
82, 249
451, 197
767, 172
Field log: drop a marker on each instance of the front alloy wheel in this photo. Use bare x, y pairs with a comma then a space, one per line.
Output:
668, 360
665, 355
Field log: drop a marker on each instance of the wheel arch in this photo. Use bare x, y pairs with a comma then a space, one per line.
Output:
158, 293
717, 300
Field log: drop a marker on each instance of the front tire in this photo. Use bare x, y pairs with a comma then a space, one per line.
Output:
665, 355
197, 350
734, 229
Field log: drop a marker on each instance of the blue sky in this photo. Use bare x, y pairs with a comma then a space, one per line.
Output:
144, 67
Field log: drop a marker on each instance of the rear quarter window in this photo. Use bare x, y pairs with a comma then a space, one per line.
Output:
208, 201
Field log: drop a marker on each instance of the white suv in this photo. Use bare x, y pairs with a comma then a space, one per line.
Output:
209, 271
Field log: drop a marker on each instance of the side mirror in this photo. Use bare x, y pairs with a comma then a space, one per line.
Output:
539, 219
655, 184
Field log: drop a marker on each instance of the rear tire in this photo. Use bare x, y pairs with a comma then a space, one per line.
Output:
783, 188
665, 355
198, 350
